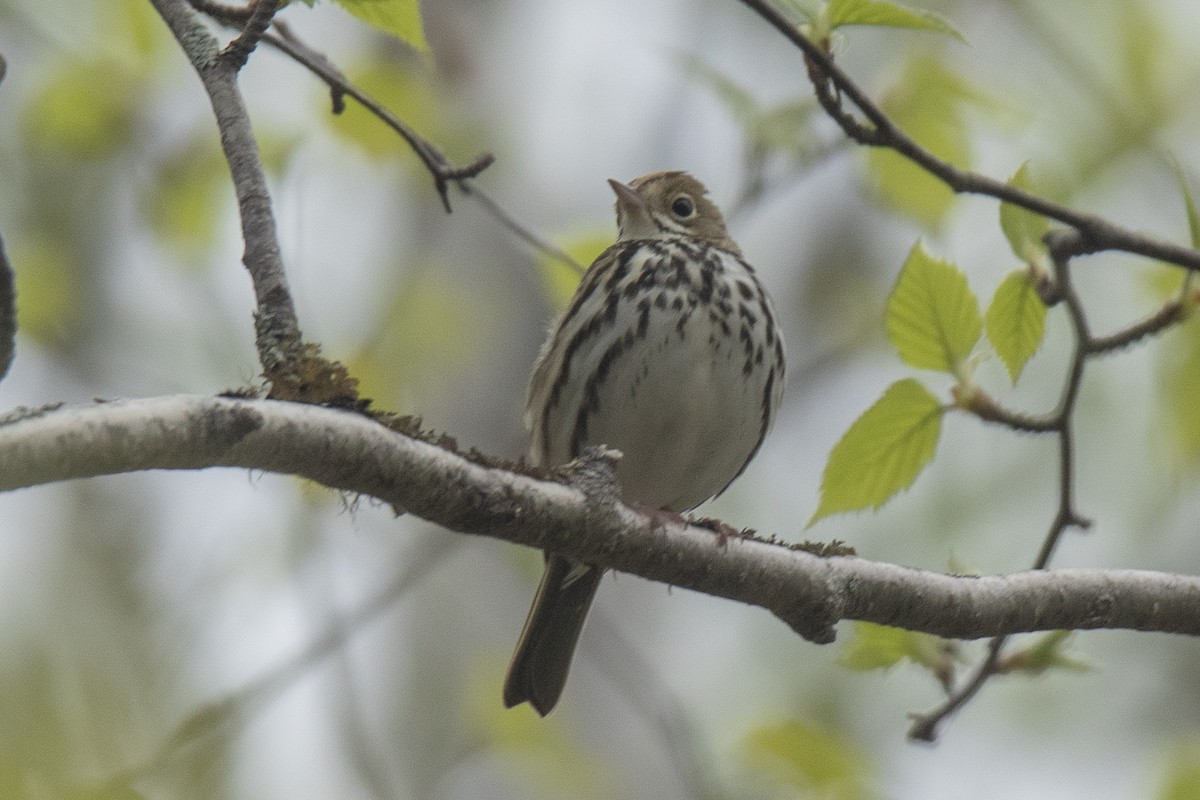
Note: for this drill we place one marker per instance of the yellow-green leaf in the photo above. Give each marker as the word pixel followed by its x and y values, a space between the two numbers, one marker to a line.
pixel 559 278
pixel 1023 228
pixel 1016 321
pixel 1182 387
pixel 191 187
pixel 737 99
pixel 783 128
pixel 1181 779
pixel 541 755
pixel 49 296
pixel 181 205
pixel 84 110
pixel 423 342
pixel 883 451
pixel 1189 203
pixel 932 315
pixel 406 91
pixel 882 646
pixel 809 761
pixel 891 15
pixel 1045 653
pixel 927 102
pixel 400 18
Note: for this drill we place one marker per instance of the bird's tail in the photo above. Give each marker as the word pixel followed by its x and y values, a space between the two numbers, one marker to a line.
pixel 540 664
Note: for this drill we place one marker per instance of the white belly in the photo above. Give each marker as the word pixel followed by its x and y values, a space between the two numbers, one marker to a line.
pixel 686 404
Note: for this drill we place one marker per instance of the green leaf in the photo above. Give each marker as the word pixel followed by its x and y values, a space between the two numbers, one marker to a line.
pixel 1016 321
pixel 559 279
pixel 1181 388
pixel 85 110
pixel 883 451
pixel 1189 204
pixel 783 128
pixel 552 762
pixel 407 91
pixel 932 315
pixel 787 129
pixel 810 761
pixel 191 186
pixel 1023 228
pixel 927 102
pixel 1193 218
pixel 881 646
pixel 1045 653
pixel 50 297
pixel 423 341
pixel 400 18
pixel 1181 780
pixel 738 100
pixel 891 15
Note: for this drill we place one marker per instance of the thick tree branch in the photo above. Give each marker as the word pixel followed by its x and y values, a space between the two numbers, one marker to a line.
pixel 1091 233
pixel 439 167
pixel 350 452
pixel 866 123
pixel 277 329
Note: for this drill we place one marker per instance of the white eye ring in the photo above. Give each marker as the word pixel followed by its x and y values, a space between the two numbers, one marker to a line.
pixel 683 207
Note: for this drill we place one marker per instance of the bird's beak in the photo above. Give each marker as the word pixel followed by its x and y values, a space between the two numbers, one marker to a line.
pixel 633 217
pixel 627 198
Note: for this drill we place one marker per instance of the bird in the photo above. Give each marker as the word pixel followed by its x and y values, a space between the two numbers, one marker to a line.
pixel 670 352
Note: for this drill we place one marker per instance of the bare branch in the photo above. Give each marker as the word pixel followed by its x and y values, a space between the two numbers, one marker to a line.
pixel 1170 313
pixel 517 229
pixel 261 14
pixel 444 173
pixel 435 161
pixel 1059 422
pixel 231 711
pixel 1092 233
pixel 278 331
pixel 350 452
pixel 8 313
pixel 229 14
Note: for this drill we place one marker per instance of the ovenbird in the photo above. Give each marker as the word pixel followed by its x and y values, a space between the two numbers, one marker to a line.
pixel 669 351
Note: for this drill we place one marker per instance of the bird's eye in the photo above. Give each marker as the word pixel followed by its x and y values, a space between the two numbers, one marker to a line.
pixel 683 207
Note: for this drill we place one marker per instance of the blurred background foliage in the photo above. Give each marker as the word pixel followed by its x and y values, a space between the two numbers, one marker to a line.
pixel 230 635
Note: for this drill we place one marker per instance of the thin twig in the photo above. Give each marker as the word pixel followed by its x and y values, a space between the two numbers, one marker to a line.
pixel 238 50
pixel 1060 422
pixel 431 156
pixel 227 713
pixel 1169 314
pixel 435 161
pixel 1086 234
pixel 985 408
pixel 832 84
pixel 8 312
pixel 277 330
pixel 226 13
pixel 517 229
